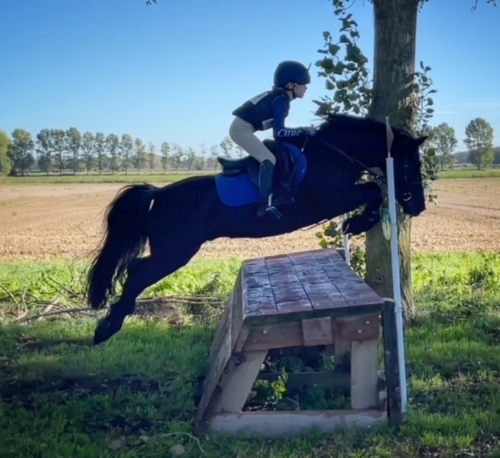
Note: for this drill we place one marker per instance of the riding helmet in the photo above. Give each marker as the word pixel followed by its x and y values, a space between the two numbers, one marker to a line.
pixel 290 71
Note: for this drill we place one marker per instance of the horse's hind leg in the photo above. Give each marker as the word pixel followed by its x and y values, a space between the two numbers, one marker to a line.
pixel 143 273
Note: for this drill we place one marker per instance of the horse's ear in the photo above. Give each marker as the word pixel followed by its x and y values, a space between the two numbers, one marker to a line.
pixel 420 140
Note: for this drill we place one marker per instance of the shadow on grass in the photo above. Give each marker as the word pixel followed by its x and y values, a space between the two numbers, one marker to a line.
pixel 158 350
pixel 147 380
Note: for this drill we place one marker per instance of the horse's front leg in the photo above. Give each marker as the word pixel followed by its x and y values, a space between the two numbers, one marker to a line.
pixel 370 216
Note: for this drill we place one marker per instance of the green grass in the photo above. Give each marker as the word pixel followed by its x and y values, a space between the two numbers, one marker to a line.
pixel 172 177
pixel 138 392
pixel 95 179
pixel 469 173
pixel 45 280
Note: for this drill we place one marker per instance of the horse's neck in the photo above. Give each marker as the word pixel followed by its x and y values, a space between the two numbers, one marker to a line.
pixel 334 175
pixel 360 147
pixel 349 159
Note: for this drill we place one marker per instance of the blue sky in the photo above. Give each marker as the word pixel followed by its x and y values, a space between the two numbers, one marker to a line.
pixel 175 71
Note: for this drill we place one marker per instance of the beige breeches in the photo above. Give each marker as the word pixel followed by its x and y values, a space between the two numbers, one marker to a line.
pixel 242 133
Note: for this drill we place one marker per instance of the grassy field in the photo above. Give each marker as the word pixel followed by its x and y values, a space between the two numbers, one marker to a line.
pixel 92 179
pixel 136 396
pixel 470 173
pixel 172 177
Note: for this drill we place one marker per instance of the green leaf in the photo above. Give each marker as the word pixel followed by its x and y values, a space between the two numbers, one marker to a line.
pixel 338 69
pixel 333 49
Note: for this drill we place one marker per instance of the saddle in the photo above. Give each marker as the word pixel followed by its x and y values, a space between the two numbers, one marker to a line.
pixel 287 162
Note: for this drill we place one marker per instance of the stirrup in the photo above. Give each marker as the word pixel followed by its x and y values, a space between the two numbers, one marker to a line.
pixel 271 208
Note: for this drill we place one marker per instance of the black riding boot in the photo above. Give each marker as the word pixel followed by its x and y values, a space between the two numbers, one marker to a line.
pixel 266 174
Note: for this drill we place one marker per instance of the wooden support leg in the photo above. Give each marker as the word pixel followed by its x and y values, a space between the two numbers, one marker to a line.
pixel 363 332
pixel 342 352
pixel 364 374
pixel 391 364
pixel 237 382
pixel 341 349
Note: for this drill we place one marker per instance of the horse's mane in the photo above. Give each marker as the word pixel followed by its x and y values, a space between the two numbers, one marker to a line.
pixel 360 137
pixel 347 121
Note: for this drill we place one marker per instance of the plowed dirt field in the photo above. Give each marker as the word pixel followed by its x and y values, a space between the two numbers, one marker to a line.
pixel 65 221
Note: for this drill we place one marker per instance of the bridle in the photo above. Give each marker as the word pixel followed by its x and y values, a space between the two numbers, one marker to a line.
pixel 375 175
pixel 378 177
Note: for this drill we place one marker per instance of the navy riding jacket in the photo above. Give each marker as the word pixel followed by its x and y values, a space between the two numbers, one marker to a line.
pixel 269 110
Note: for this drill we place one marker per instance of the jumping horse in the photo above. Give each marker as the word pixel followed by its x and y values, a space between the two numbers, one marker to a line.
pixel 178 218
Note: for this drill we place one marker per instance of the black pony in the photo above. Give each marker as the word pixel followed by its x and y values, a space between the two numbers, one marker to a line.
pixel 179 217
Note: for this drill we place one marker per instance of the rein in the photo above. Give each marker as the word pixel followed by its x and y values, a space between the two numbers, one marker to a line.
pixel 376 176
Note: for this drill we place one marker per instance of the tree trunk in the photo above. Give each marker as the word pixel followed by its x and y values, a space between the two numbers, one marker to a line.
pixel 395 42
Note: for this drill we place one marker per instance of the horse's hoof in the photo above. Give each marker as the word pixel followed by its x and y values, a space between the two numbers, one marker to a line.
pixel 106 329
pixel 358 224
pixel 349 226
pixel 353 226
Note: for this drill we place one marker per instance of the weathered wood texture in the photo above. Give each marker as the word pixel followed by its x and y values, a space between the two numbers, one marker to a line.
pixel 225 341
pixel 329 331
pixel 312 283
pixel 288 424
pixel 237 383
pixel 305 299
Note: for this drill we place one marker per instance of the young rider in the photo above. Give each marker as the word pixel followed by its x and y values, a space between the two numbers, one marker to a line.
pixel 269 110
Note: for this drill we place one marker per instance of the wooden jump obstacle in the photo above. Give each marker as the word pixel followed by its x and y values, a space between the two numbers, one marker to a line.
pixel 307 299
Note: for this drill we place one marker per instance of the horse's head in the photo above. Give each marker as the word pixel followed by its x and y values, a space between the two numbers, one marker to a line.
pixel 361 144
pixel 408 183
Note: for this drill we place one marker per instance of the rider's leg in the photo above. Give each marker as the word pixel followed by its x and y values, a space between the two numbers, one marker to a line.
pixel 243 134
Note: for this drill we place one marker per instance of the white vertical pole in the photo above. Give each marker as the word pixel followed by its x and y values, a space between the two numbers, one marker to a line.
pixel 396 281
pixel 346 243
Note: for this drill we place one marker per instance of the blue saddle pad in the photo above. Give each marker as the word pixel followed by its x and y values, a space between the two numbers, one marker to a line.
pixel 236 190
pixel 239 190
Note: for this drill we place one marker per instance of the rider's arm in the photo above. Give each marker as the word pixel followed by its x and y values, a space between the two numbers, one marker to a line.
pixel 279 113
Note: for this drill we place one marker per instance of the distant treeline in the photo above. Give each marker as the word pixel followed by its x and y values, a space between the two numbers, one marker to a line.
pixel 478 139
pixel 69 151
pixel 462 157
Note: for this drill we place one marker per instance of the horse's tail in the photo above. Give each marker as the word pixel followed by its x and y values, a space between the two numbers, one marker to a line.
pixel 124 240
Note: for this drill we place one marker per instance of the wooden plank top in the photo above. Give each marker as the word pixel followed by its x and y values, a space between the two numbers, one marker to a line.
pixel 309 283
